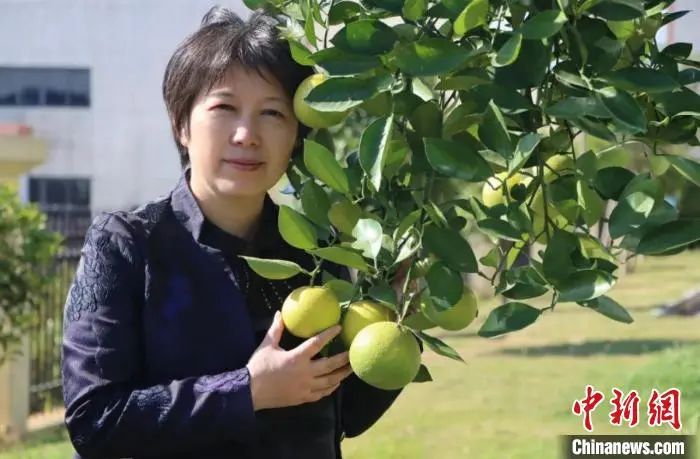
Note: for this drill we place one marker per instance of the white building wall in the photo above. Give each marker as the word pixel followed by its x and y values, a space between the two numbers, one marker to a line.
pixel 122 141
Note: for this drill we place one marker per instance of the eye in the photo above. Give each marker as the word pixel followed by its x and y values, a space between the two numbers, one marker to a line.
pixel 275 113
pixel 226 107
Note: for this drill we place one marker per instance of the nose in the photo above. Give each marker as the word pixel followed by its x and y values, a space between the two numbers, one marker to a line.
pixel 245 133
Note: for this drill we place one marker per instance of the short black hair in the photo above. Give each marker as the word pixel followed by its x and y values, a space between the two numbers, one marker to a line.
pixel 224 40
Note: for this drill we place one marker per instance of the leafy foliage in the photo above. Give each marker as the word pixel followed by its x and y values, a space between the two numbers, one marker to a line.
pixel 545 92
pixel 26 250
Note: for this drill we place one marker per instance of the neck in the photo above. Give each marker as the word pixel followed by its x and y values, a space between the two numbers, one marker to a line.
pixel 237 215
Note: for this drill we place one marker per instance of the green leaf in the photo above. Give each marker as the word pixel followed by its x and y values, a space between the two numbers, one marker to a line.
pixel 368 237
pixel 474 15
pixel 585 285
pixel 529 68
pixel 669 236
pixel 491 259
pixel 274 269
pixel 609 308
pixel 300 53
pixel 611 181
pixel 338 62
pixel 407 222
pixel 557 261
pixel 592 204
pixel 342 93
pixel 322 164
pixel 430 56
pixel 686 167
pixel 526 146
pixel 685 101
pixel 454 159
pixel 426 119
pixel 365 36
pixel 342 11
pixel 499 229
pixel 382 292
pixel 465 79
pixel 494 133
pixel 595 128
pixel 296 230
pixel 342 256
pixel 414 9
pixel 543 25
pixel 423 375
pixel 619 10
pixel 315 203
pixel 574 108
pixel 408 244
pixel 624 109
pixel 688 76
pixel 507 318
pixel 642 80
pixel 450 247
pixel 678 50
pixel 445 285
pixel 373 146
pixel 522 283
pixel 636 204
pixel 342 289
pixel 310 28
pixel 510 51
pixel 255 4
pixel 439 347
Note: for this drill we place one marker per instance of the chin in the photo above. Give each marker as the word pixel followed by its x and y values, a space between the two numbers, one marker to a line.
pixel 240 188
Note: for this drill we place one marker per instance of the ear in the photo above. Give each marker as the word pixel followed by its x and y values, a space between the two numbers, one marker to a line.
pixel 184 137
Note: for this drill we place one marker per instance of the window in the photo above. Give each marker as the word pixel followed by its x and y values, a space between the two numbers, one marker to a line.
pixel 53 87
pixel 60 192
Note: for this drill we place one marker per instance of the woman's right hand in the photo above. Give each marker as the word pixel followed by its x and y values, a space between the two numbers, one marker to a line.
pixel 280 378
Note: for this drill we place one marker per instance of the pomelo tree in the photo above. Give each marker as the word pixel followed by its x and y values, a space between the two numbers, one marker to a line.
pixel 520 102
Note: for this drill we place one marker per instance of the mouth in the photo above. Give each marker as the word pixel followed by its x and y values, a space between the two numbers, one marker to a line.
pixel 244 164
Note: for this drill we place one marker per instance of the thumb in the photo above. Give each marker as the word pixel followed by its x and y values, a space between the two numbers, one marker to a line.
pixel 274 333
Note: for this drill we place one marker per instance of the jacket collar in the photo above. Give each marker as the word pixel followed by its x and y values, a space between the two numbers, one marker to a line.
pixel 189 214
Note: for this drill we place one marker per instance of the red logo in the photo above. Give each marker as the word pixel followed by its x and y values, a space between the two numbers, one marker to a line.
pixel 665 408
pixel 626 409
pixel 587 405
pixel 662 408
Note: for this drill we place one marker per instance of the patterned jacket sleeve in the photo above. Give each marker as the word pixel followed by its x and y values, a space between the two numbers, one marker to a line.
pixel 109 413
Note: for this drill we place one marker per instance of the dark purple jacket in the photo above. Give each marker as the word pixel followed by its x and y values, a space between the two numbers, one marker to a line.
pixel 157 333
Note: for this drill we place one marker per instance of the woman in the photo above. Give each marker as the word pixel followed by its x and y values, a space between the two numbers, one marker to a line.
pixel 172 346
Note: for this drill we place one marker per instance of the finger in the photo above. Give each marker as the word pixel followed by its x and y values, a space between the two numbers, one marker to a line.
pixel 329 364
pixel 319 394
pixel 274 333
pixel 313 345
pixel 331 379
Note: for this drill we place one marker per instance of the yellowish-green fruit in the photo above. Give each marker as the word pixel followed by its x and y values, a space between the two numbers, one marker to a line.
pixel 361 314
pixel 618 157
pixel 560 164
pixel 459 316
pixel 306 114
pixel 307 311
pixel 658 164
pixel 418 321
pixel 344 215
pixel 385 355
pixel 492 193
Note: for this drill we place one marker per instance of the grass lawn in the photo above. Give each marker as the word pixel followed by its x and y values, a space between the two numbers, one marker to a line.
pixel 513 397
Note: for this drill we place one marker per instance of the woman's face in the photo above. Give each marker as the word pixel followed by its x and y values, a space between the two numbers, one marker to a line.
pixel 241 134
